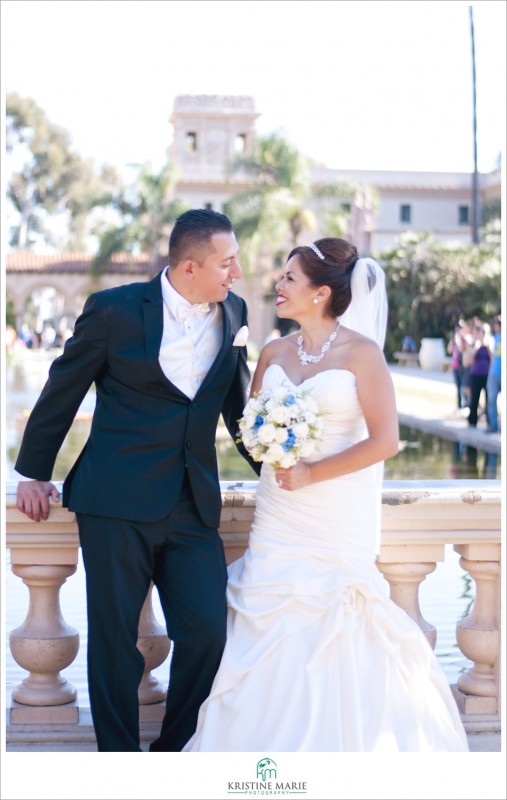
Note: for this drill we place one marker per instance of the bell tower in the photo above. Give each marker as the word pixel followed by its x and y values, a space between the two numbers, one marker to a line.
pixel 209 131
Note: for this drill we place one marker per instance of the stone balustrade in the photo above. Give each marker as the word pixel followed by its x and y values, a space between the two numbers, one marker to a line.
pixel 419 518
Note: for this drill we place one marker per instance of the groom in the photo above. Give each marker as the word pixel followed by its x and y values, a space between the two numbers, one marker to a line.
pixel 145 488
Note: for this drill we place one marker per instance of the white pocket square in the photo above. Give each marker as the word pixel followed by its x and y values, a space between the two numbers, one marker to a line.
pixel 241 337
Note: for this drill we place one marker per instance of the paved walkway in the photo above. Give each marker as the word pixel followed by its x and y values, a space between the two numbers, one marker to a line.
pixel 426 400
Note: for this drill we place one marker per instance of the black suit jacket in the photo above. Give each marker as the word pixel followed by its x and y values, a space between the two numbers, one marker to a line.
pixel 144 429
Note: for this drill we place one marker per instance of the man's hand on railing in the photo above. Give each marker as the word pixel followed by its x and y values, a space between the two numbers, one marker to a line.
pixel 32 498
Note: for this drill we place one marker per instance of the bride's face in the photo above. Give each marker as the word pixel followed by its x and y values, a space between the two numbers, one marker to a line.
pixel 295 293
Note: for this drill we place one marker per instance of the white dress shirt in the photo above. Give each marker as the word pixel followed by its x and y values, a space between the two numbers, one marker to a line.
pixel 188 349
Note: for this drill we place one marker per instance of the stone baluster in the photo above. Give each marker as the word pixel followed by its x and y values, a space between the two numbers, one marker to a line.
pixel 154 644
pixel 43 645
pixel 404 580
pixel 478 635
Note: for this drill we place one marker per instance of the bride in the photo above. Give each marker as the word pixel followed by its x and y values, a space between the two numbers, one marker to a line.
pixel 318 658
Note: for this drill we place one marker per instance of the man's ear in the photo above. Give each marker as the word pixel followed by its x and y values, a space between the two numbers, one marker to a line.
pixel 189 267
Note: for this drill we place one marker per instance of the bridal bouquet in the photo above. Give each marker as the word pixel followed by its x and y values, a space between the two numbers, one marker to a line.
pixel 281 426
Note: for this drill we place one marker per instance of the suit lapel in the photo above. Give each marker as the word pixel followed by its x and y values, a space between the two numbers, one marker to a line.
pixel 153 315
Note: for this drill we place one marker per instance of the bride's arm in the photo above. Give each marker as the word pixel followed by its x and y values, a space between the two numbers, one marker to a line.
pixel 376 396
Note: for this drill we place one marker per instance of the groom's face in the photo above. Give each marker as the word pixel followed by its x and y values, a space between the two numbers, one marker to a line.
pixel 216 270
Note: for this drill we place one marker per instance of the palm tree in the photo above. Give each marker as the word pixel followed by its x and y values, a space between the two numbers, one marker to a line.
pixel 271 216
pixel 146 210
pixel 281 203
pixel 271 210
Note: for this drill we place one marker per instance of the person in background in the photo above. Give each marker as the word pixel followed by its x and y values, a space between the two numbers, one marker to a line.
pixel 408 345
pixel 455 350
pixel 494 382
pixel 479 370
pixel 467 357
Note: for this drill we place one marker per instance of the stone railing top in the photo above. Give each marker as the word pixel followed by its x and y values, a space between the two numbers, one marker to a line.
pixel 394 493
pixel 452 512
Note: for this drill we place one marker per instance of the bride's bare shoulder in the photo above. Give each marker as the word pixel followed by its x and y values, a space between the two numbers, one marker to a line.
pixel 359 350
pixel 350 337
pixel 276 349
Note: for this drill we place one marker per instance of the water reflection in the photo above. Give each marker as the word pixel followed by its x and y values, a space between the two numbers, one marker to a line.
pixel 469 462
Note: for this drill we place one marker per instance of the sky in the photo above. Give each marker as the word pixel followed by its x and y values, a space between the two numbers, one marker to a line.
pixel 355 85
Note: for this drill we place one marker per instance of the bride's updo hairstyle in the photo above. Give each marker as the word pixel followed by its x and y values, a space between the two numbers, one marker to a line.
pixel 333 270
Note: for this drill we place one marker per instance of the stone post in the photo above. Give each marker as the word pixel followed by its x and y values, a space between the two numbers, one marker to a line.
pixel 478 635
pixel 404 581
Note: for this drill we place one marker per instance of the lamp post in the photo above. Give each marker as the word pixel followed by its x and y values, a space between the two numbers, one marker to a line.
pixel 475 176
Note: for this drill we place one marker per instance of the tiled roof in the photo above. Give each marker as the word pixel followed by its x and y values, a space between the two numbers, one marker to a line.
pixel 78 262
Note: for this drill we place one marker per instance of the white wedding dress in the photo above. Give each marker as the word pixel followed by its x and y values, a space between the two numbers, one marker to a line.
pixel 318 658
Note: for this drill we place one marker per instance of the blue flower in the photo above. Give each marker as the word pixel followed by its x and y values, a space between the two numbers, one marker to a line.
pixel 289 400
pixel 258 422
pixel 290 440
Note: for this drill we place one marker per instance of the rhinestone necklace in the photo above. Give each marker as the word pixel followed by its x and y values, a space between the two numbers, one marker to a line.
pixel 305 359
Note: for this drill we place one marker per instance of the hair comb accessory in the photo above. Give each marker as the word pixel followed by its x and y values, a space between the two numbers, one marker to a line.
pixel 316 251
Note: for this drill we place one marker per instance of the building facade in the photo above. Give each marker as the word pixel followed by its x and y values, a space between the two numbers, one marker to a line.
pixel 210 130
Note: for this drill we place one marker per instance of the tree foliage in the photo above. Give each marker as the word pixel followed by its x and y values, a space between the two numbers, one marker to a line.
pixel 432 285
pixel 146 210
pixel 47 178
pixel 279 205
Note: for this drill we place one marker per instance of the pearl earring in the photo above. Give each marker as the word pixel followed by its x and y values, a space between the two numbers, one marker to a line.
pixel 315 300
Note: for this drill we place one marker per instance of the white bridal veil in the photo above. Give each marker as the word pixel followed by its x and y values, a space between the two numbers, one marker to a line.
pixel 367 314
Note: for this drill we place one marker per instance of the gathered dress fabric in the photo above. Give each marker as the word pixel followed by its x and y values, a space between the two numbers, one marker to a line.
pixel 318 658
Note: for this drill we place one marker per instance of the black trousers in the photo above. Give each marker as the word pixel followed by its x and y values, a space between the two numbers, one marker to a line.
pixel 477 385
pixel 186 562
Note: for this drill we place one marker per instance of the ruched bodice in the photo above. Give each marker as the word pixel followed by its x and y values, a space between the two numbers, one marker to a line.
pixel 317 514
pixel 318 658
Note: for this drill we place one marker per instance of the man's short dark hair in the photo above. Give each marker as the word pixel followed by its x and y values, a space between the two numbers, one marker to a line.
pixel 193 230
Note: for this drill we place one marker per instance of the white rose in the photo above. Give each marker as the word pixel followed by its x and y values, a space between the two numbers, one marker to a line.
pixel 281 435
pixel 248 439
pixel 280 393
pixel 301 429
pixel 266 433
pixel 273 454
pixel 257 452
pixel 254 405
pixel 306 448
pixel 287 460
pixel 278 415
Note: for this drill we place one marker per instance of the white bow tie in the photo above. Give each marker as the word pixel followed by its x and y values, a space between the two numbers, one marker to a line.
pixel 184 311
